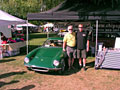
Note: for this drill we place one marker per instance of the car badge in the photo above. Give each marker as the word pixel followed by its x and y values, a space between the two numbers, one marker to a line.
pixel 41 59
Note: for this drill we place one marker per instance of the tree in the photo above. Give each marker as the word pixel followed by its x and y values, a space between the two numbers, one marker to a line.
pixel 20 8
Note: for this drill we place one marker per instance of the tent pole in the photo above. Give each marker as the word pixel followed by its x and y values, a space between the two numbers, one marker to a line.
pixel 1 55
pixel 27 36
pixel 96 36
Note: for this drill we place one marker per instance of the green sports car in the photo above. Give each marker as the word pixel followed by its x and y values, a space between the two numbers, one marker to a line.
pixel 48 57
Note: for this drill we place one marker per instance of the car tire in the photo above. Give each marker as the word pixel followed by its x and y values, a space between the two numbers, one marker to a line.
pixel 29 69
pixel 62 67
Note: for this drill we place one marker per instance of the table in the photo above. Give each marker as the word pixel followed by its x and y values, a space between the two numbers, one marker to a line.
pixel 17 45
pixel 109 59
pixel 11 48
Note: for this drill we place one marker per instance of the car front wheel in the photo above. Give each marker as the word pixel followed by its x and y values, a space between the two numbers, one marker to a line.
pixel 62 67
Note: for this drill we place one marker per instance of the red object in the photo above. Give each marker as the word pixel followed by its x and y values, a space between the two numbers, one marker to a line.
pixel 80 25
pixel 4 42
pixel 21 39
pixel 9 26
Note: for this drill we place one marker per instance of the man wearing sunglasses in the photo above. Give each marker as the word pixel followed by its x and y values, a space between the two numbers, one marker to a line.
pixel 82 42
pixel 69 42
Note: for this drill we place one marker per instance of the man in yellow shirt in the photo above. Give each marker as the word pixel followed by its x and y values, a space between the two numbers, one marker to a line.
pixel 69 42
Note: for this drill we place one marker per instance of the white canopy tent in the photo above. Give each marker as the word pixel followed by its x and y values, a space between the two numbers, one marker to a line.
pixel 25 25
pixel 6 31
pixel 49 25
pixel 6 20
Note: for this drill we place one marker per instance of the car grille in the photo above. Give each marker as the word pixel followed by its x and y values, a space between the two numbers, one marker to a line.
pixel 40 69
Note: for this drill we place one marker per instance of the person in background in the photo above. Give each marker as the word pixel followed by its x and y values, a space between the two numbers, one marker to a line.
pixel 52 43
pixel 82 41
pixel 4 46
pixel 69 43
pixel 4 39
pixel 44 30
pixel 47 29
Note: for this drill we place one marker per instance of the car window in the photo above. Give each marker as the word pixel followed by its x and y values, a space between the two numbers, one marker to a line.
pixel 46 43
pixel 53 43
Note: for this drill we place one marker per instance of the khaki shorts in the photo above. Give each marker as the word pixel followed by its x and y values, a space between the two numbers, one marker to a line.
pixel 81 53
pixel 71 52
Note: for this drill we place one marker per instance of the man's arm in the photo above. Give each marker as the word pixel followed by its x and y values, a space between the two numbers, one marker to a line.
pixel 87 45
pixel 88 42
pixel 64 45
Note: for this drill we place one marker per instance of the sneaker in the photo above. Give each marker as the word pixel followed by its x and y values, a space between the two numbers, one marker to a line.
pixel 69 69
pixel 84 68
pixel 80 66
pixel 73 67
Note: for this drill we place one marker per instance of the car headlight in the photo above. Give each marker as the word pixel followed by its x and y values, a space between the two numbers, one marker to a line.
pixel 26 60
pixel 55 63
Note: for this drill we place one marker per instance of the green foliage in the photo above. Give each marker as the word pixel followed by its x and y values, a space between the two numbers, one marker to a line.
pixel 20 8
pixel 104 3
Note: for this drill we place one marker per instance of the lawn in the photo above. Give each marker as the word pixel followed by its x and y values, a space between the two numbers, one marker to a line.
pixel 14 76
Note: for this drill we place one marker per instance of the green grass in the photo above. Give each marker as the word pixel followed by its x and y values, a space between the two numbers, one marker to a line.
pixel 37 39
pixel 14 75
pixel 25 76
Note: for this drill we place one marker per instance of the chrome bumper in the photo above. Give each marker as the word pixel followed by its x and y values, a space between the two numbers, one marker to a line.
pixel 42 69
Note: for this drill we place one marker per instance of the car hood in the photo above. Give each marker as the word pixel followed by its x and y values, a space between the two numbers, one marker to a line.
pixel 45 57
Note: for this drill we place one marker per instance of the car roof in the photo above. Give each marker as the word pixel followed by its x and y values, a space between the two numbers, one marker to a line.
pixel 55 38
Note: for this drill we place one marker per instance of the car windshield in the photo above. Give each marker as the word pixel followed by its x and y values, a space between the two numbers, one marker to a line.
pixel 53 43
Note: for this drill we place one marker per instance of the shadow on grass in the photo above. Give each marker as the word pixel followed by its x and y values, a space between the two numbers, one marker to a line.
pixel 11 74
pixel 29 87
pixel 111 69
pixel 3 61
pixel 11 82
pixel 41 35
pixel 66 72
pixel 38 35
pixel 90 64
pixel 32 47
pixel 23 50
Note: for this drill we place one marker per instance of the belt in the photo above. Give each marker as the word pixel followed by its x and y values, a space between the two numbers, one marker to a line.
pixel 70 47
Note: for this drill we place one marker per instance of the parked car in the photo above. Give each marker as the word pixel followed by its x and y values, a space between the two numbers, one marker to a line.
pixel 48 57
pixel 62 33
